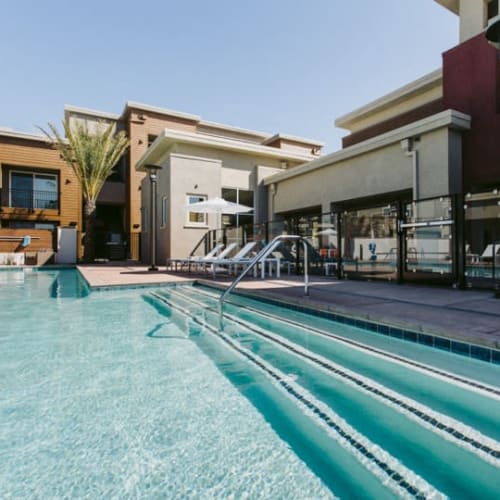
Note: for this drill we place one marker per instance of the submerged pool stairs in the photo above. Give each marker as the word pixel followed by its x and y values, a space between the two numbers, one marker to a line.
pixel 373 420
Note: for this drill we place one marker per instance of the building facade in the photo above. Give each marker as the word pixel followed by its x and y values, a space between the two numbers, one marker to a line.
pixel 120 205
pixel 212 161
pixel 38 192
pixel 414 192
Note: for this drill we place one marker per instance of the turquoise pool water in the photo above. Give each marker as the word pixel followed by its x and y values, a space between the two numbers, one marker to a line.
pixel 102 396
pixel 137 394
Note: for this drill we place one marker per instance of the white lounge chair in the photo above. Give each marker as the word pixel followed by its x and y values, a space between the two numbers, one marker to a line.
pixel 173 263
pixel 241 258
pixel 491 251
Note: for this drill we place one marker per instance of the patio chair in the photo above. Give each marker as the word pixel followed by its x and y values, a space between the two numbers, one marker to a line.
pixel 173 263
pixel 241 258
pixel 491 253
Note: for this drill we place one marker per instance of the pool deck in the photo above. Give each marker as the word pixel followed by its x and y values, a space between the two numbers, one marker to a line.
pixel 468 315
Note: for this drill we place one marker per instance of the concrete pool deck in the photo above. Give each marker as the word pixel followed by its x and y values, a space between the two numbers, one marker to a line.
pixel 468 315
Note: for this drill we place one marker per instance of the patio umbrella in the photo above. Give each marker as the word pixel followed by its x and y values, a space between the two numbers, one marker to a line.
pixel 217 206
pixel 327 232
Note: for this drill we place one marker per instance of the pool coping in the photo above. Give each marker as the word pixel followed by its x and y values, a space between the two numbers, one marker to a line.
pixel 435 341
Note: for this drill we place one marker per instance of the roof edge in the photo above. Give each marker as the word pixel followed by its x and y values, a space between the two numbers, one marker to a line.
pixel 450 117
pixel 16 134
pixel 93 112
pixel 294 138
pixel 392 97
pixel 175 136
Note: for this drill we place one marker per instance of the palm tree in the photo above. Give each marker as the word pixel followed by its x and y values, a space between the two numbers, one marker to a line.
pixel 91 154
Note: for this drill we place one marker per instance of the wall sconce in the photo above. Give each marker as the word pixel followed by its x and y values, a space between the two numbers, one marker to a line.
pixel 67 181
pixel 136 226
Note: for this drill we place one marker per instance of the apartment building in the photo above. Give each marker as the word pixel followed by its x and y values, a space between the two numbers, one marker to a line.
pixel 38 193
pixel 155 135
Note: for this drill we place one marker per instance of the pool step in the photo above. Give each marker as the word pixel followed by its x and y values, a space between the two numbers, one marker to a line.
pixel 450 429
pixel 389 470
pixel 487 390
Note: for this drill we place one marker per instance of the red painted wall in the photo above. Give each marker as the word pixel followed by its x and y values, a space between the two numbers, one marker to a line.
pixel 471 76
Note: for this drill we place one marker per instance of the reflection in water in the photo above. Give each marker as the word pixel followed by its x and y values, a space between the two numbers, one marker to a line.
pixel 68 284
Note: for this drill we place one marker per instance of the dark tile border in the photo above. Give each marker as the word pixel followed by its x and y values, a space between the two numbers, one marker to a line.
pixel 474 351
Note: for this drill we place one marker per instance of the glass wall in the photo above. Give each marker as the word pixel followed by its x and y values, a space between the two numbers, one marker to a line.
pixel 411 241
pixel 482 237
pixel 428 236
pixel 369 242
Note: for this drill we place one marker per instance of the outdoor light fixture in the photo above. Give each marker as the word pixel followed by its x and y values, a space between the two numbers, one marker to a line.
pixel 493 32
pixel 153 172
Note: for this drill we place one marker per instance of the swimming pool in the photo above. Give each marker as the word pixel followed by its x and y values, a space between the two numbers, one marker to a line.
pixel 135 393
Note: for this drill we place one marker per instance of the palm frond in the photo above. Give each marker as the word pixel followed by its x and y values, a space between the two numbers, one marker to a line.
pixel 91 153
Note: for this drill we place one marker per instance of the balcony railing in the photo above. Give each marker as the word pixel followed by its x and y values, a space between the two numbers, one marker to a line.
pixel 28 198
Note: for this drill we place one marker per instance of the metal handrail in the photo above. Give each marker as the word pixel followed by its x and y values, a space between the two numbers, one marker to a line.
pixel 261 256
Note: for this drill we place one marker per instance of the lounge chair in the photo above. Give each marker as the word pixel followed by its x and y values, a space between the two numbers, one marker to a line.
pixel 241 258
pixel 222 255
pixel 194 259
pixel 491 251
pixel 272 261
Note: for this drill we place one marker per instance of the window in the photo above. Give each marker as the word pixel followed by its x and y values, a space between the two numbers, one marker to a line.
pixel 22 224
pixel 164 211
pixel 151 138
pixel 243 197
pixel 30 190
pixel 196 218
pixel 492 8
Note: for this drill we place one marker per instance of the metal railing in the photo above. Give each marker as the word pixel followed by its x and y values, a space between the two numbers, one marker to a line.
pixel 265 252
pixel 33 199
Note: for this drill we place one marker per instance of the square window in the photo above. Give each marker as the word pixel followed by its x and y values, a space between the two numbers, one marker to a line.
pixel 196 218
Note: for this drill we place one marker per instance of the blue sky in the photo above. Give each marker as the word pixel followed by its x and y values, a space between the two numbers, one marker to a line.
pixel 289 66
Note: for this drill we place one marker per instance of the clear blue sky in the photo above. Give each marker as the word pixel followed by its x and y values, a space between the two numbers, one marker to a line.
pixel 289 66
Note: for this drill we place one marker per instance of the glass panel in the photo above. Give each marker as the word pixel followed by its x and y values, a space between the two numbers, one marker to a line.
pixel 45 191
pixel 429 243
pixel 436 209
pixel 21 190
pixel 325 236
pixel 243 197
pixel 230 194
pixel 482 236
pixel 369 243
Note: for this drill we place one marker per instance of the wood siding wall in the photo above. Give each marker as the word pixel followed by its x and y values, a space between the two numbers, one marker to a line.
pixel 11 240
pixel 38 156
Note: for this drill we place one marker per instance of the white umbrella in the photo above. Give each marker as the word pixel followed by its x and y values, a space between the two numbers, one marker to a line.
pixel 327 232
pixel 217 206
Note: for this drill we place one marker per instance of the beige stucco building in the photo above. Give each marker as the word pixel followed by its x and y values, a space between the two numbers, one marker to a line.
pixel 213 161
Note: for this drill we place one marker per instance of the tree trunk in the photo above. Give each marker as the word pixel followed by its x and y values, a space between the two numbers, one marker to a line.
pixel 88 241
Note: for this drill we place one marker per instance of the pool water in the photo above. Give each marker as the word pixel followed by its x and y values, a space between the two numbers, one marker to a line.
pixel 103 396
pixel 136 393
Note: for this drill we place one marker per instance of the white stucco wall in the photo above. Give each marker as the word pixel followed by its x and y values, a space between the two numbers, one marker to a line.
pixel 200 171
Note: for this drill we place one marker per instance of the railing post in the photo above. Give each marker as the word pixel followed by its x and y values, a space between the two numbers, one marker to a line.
pixel 261 256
